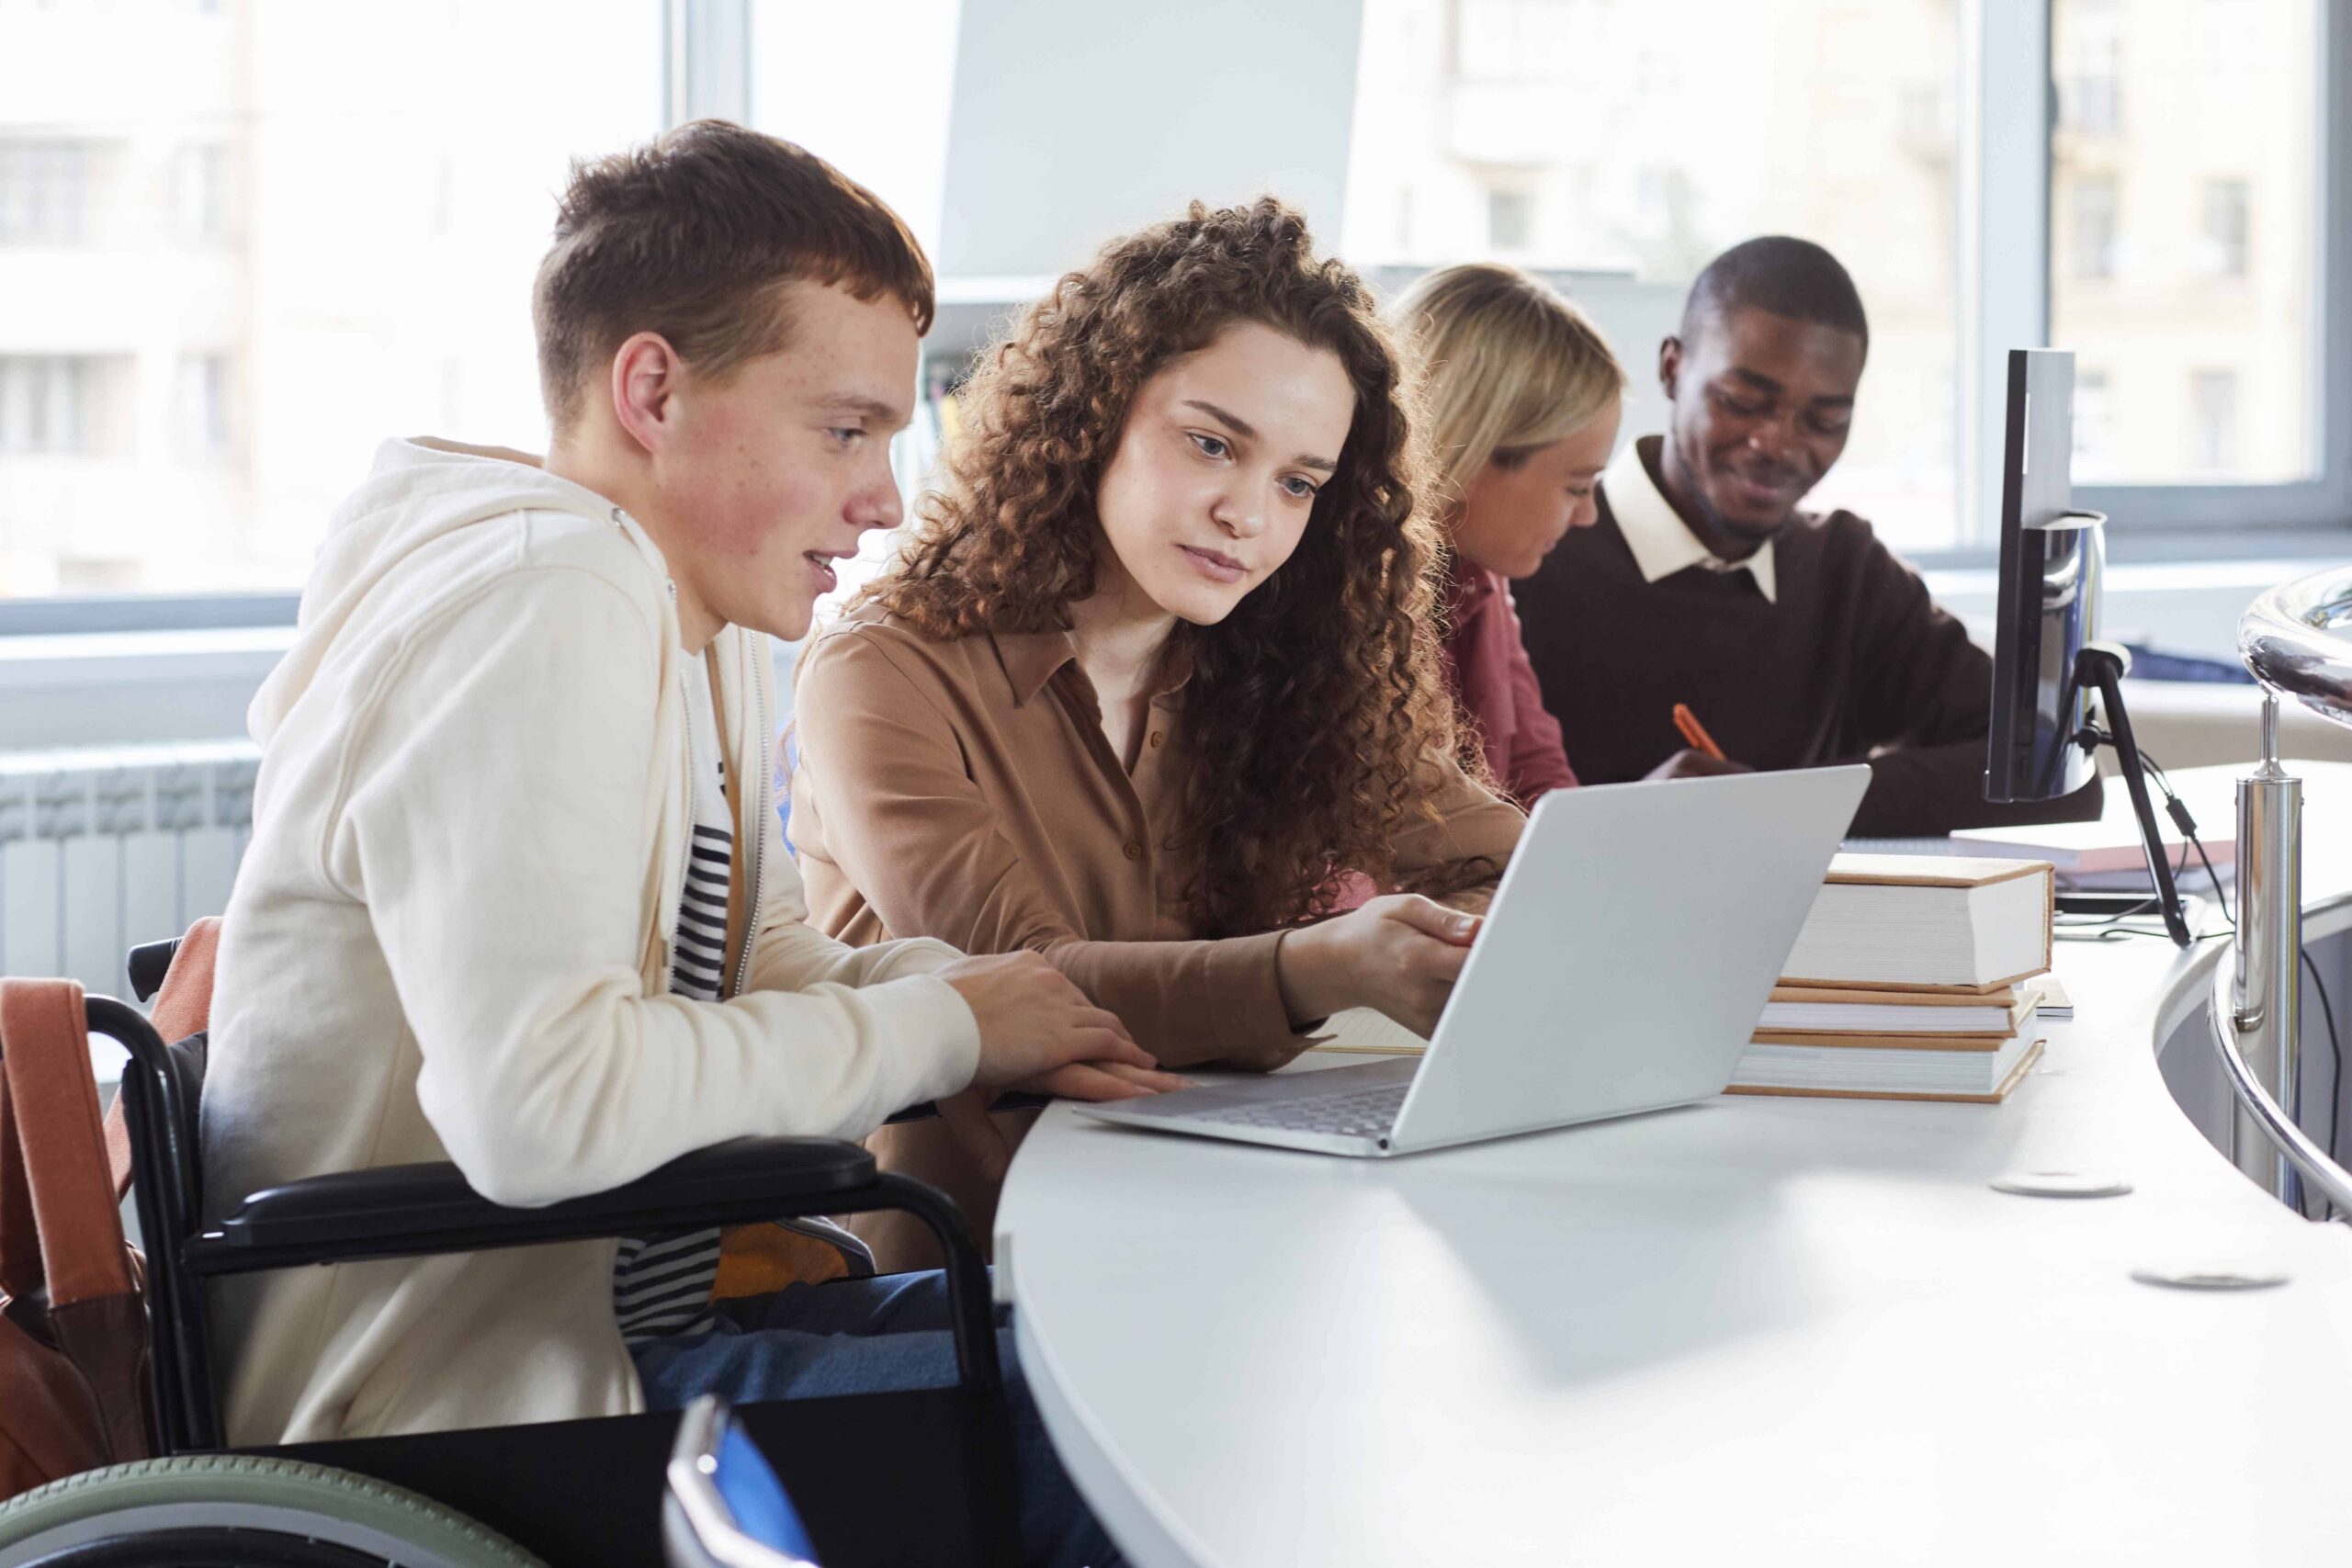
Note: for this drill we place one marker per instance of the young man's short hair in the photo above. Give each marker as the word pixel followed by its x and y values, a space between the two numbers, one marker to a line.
pixel 690 236
pixel 1783 275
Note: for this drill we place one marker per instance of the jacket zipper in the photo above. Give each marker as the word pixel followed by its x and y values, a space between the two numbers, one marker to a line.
pixel 686 855
pixel 743 790
pixel 759 797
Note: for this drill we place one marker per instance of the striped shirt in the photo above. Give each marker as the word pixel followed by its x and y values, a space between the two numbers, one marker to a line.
pixel 662 1282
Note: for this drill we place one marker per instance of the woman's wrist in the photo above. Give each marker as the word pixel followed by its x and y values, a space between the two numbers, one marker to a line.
pixel 1307 970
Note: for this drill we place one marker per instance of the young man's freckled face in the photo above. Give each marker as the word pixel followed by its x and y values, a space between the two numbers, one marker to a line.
pixel 1219 465
pixel 775 469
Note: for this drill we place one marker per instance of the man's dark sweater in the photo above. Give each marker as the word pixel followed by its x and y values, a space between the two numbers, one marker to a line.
pixel 1853 661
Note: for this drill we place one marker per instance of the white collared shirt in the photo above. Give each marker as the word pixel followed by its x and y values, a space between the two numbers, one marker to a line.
pixel 1662 543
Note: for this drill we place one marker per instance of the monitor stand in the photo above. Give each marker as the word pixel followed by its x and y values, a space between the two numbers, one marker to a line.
pixel 2101 668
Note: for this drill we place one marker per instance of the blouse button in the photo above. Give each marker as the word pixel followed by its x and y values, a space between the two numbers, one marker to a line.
pixel 1157 736
pixel 1132 850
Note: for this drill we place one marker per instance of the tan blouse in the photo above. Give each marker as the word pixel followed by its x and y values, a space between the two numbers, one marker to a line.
pixel 965 790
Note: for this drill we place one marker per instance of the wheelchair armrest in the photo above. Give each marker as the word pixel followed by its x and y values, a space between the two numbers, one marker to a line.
pixel 411 1209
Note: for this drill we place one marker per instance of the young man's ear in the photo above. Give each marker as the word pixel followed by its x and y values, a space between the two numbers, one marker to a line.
pixel 1670 365
pixel 644 386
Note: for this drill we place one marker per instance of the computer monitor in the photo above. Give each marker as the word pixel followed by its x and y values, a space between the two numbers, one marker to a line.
pixel 2048 663
pixel 2054 562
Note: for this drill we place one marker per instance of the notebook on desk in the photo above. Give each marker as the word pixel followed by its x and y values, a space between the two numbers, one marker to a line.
pixel 2087 855
pixel 1632 943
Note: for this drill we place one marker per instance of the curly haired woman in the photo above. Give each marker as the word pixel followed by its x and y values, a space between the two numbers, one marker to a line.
pixel 1156 687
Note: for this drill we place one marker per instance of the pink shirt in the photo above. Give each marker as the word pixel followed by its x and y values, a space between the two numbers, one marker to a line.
pixel 1486 665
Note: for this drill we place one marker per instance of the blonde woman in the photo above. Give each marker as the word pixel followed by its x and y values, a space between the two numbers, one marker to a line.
pixel 1523 398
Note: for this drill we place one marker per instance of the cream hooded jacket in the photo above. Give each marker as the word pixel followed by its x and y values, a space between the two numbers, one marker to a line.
pixel 449 940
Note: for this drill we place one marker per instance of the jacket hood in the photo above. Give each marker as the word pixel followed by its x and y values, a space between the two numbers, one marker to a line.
pixel 419 492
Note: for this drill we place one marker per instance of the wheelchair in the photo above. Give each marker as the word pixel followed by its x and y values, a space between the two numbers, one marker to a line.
pixel 917 1477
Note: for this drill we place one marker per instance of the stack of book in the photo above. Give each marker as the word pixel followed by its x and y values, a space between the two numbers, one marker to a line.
pixel 1914 978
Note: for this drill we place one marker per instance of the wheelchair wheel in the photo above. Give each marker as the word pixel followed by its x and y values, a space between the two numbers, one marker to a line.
pixel 240 1511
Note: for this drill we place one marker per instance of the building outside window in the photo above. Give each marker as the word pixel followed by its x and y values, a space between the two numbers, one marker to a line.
pixel 2209 384
pixel 270 270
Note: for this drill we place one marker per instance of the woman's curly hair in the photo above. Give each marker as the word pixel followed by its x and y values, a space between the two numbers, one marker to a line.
pixel 1315 707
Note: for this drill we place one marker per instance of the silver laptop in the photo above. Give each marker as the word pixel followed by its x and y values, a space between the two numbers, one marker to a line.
pixel 1628 953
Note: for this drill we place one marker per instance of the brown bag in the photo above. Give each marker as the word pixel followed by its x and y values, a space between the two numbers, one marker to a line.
pixel 72 1322
pixel 183 1007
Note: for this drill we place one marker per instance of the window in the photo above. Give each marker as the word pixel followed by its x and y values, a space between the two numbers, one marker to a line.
pixel 2092 239
pixel 46 189
pixel 2094 423
pixel 1643 136
pixel 2213 405
pixel 2227 33
pixel 2218 384
pixel 2225 227
pixel 205 405
pixel 200 192
pixel 45 404
pixel 1508 39
pixel 2090 72
pixel 267 275
pixel 1510 219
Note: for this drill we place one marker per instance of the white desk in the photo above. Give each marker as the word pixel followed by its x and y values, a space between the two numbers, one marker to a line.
pixel 1751 1331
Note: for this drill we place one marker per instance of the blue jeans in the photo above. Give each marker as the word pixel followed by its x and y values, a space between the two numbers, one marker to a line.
pixel 872 1336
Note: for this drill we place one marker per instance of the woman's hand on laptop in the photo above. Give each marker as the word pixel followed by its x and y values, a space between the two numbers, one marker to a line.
pixel 1399 954
pixel 1038 1031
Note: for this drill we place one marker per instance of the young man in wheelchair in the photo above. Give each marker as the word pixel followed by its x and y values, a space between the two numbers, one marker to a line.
pixel 516 896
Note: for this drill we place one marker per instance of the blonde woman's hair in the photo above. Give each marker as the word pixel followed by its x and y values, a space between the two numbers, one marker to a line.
pixel 1507 368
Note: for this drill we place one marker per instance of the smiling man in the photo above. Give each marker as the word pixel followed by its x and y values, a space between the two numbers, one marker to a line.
pixel 1798 639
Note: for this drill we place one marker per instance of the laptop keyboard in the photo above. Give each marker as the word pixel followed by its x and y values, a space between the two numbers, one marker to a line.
pixel 1367 1113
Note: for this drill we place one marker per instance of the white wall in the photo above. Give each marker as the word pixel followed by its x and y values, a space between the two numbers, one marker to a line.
pixel 805 88
pixel 1074 121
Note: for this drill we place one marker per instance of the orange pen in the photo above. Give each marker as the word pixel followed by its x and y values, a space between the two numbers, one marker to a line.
pixel 1695 732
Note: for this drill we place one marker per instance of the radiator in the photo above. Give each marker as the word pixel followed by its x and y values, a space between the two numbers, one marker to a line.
pixel 104 849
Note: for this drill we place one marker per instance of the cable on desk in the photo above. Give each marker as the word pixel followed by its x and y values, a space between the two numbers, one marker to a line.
pixel 2334 1051
pixel 2111 928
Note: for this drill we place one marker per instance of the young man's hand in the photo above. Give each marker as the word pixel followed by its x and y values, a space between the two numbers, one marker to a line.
pixel 1399 954
pixel 1105 1080
pixel 1038 1031
pixel 1689 763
